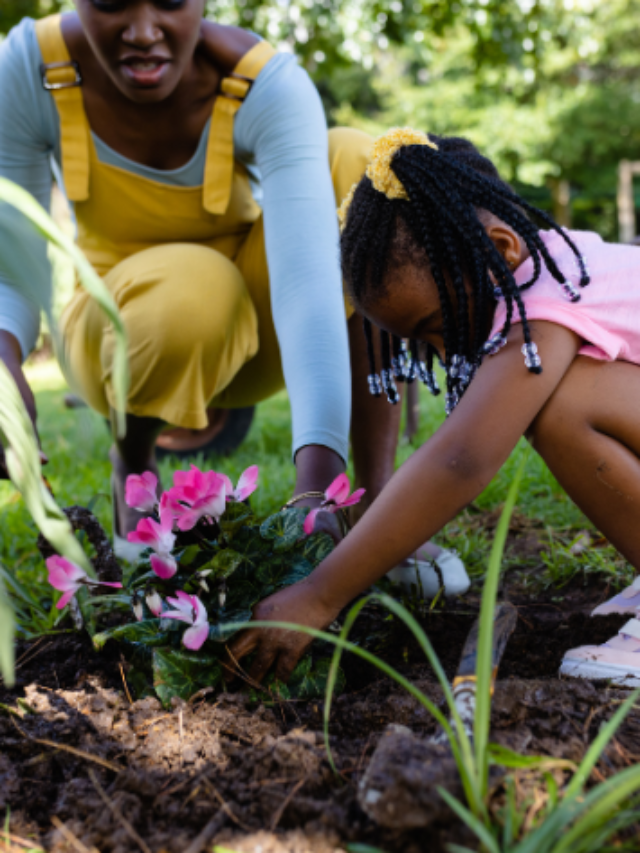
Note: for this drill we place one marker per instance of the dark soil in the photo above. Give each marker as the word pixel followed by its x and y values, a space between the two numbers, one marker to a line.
pixel 125 776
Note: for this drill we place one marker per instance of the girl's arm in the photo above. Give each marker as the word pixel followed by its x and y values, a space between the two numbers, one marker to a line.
pixel 436 482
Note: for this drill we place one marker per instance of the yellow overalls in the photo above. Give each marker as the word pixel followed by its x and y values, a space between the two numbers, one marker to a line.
pixel 186 265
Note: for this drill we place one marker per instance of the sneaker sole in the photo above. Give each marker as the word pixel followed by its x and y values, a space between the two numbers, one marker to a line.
pixel 618 675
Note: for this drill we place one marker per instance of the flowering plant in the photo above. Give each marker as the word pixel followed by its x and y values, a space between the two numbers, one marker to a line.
pixel 205 561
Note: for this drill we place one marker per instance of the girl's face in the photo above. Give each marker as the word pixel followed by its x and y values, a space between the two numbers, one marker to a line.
pixel 144 46
pixel 410 307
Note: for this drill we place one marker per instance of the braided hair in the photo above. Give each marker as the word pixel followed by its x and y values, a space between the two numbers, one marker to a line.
pixel 432 216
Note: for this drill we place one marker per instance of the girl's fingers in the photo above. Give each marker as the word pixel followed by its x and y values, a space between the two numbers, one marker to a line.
pixel 287 662
pixel 263 661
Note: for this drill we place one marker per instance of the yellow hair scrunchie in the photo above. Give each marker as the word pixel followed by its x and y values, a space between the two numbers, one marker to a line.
pixel 384 149
pixel 379 170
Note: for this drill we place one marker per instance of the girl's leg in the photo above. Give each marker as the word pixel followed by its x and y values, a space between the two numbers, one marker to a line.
pixel 589 435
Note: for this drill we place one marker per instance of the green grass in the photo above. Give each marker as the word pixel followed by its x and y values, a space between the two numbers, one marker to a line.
pixel 77 443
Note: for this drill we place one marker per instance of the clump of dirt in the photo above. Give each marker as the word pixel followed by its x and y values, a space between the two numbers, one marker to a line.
pixel 79 759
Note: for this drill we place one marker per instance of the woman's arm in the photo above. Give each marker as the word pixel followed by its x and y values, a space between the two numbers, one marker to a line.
pixel 282 127
pixel 29 134
pixel 435 483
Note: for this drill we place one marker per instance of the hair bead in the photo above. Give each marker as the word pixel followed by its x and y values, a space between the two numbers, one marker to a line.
pixel 531 358
pixel 494 344
pixel 375 385
pixel 399 359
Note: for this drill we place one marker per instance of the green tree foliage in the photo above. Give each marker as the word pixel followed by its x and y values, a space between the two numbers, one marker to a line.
pixel 13 11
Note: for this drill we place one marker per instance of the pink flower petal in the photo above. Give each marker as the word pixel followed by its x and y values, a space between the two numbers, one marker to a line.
pixel 228 486
pixel 66 598
pixel 183 602
pixel 146 533
pixel 310 520
pixel 107 583
pixel 63 574
pixel 176 614
pixel 140 491
pixel 188 519
pixel 201 611
pixel 163 565
pixel 247 484
pixel 354 499
pixel 339 489
pixel 194 638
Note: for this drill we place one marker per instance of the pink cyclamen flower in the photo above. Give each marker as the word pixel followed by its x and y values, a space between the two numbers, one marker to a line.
pixel 335 497
pixel 189 608
pixel 247 484
pixel 197 494
pixel 68 578
pixel 160 537
pixel 140 491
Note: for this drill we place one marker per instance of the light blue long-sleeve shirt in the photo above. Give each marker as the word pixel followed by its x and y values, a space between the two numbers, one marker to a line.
pixel 280 135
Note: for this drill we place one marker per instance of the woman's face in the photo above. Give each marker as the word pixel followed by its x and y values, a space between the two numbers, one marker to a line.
pixel 145 46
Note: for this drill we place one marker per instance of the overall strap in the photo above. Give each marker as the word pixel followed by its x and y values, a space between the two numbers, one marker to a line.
pixel 62 78
pixel 218 173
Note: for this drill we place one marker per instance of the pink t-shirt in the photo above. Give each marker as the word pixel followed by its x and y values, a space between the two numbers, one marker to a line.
pixel 607 316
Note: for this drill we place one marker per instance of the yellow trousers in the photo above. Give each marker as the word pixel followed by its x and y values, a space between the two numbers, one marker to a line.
pixel 199 325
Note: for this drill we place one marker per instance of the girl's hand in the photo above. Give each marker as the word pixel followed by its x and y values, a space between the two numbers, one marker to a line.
pixel 275 647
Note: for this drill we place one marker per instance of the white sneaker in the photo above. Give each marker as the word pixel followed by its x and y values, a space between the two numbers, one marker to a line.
pixel 627 601
pixel 446 572
pixel 617 660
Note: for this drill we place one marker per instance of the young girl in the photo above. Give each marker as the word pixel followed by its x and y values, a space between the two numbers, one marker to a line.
pixel 537 329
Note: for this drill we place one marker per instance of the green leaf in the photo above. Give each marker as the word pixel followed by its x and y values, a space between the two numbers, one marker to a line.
pixel 27 205
pixel 251 545
pixel 221 632
pixel 182 673
pixel 484 660
pixel 23 463
pixel 7 631
pixel 284 528
pixel 147 631
pixel 505 757
pixel 293 571
pixel 309 679
pixel 244 593
pixel 223 564
pixel 237 515
pixel 317 547
pixel 186 557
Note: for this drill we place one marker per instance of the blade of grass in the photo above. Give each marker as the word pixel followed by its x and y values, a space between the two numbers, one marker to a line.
pixel 599 804
pixel 474 823
pixel 461 749
pixel 599 744
pixel 484 663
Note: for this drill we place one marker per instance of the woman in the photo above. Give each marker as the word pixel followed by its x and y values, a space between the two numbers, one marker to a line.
pixel 166 129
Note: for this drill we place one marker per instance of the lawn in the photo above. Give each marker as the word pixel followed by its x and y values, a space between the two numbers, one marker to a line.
pixel 77 443
pixel 88 763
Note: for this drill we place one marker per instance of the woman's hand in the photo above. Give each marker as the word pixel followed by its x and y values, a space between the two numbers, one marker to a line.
pixel 275 647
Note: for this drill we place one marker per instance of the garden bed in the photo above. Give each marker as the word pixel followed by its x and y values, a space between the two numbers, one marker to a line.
pixel 253 775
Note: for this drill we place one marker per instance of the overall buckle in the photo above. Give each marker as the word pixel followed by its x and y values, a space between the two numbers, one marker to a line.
pixel 52 66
